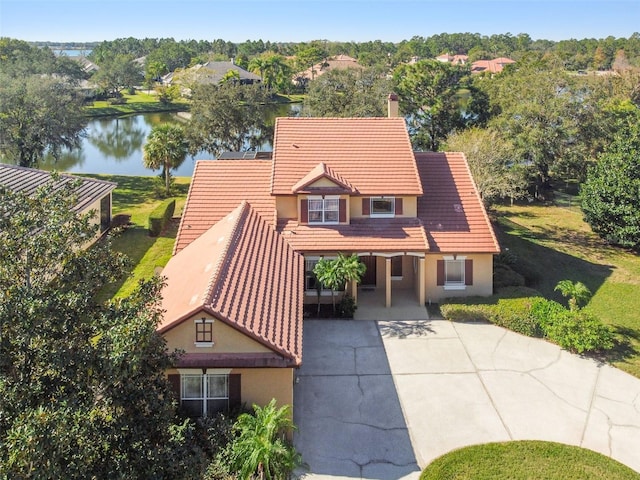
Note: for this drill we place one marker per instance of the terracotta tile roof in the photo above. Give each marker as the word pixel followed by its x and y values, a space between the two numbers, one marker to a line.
pixel 362 235
pixel 321 171
pixel 217 187
pixel 246 275
pixel 373 154
pixel 28 180
pixel 451 209
pixel 493 66
pixel 334 63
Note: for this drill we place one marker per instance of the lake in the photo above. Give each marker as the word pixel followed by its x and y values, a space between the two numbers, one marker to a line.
pixel 113 145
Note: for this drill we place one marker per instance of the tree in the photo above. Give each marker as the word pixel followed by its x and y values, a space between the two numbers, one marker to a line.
pixel 38 114
pixel 117 73
pixel 83 392
pixel 611 193
pixel 428 92
pixel 226 117
pixel 577 292
pixel 348 93
pixel 490 159
pixel 261 450
pixel 166 148
pixel 335 273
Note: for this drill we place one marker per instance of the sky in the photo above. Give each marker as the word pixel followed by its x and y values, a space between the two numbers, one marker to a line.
pixel 306 20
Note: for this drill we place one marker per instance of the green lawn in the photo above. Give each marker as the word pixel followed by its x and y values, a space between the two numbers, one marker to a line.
pixel 141 102
pixel 136 196
pixel 526 460
pixel 553 243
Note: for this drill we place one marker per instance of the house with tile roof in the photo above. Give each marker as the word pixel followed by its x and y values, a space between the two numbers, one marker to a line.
pixel 92 195
pixel 491 66
pixel 252 231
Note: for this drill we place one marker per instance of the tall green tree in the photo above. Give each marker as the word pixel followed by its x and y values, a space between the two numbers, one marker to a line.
pixel 348 93
pixel 429 97
pixel 117 73
pixel 166 148
pixel 611 193
pixel 261 450
pixel 38 114
pixel 226 117
pixel 82 387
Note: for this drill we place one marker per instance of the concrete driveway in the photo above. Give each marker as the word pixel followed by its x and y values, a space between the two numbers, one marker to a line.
pixel 381 400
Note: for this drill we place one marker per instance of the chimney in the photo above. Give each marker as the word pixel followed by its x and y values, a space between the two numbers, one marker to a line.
pixel 392 105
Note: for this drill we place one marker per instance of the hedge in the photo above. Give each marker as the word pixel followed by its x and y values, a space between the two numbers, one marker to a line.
pixel 160 216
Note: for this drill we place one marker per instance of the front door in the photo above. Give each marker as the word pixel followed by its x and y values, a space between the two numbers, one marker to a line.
pixel 369 278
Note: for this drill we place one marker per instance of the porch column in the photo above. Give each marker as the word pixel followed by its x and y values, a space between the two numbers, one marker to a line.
pixel 422 281
pixel 387 276
pixel 354 291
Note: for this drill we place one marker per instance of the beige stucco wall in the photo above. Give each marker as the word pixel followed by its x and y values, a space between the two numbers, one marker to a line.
pixel 95 219
pixel 226 339
pixel 482 278
pixel 260 385
pixel 287 206
pixel 409 207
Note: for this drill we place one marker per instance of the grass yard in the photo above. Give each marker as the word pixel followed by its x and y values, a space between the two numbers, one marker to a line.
pixel 553 243
pixel 140 102
pixel 526 460
pixel 136 196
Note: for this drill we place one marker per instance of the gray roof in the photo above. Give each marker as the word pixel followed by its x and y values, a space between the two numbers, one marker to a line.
pixel 214 72
pixel 28 180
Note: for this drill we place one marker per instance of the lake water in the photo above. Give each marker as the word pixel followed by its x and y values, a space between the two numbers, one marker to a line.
pixel 113 145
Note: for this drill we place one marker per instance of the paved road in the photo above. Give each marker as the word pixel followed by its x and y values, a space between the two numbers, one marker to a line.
pixel 381 400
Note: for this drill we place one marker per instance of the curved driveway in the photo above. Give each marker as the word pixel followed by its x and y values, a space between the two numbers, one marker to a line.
pixel 383 399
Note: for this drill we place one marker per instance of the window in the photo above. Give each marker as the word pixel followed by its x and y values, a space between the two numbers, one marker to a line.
pixel 455 272
pixel 204 332
pixel 324 210
pixel 383 206
pixel 204 394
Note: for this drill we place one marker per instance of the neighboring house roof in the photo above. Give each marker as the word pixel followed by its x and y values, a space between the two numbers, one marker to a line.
pixel 217 187
pixel 211 72
pixel 451 209
pixel 455 59
pixel 492 66
pixel 28 180
pixel 334 63
pixel 244 274
pixel 361 235
pixel 373 155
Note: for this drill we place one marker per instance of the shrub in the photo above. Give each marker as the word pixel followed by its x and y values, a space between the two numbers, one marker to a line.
pixel 160 216
pixel 464 313
pixel 505 276
pixel 347 306
pixel 515 314
pixel 579 331
pixel 545 311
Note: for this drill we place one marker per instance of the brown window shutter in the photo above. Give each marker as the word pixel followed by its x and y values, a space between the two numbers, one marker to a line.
pixel 440 272
pixel 342 204
pixel 468 272
pixel 398 206
pixel 235 397
pixel 174 384
pixel 304 211
pixel 366 206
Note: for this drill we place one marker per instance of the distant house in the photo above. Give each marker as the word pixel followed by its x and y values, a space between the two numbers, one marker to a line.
pixel 453 59
pixel 93 195
pixel 209 73
pixel 491 66
pixel 333 63
pixel 253 229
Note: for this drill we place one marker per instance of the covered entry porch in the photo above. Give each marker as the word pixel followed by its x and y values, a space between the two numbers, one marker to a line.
pixel 389 273
pixel 371 306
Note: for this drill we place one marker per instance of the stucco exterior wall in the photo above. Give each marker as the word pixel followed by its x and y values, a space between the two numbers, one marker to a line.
pixel 226 339
pixel 260 385
pixel 287 206
pixel 482 278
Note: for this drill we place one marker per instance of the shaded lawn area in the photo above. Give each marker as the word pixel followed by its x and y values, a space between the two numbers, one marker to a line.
pixel 526 460
pixel 553 243
pixel 140 102
pixel 136 196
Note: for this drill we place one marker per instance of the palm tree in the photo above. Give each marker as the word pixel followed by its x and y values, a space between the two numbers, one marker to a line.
pixel 261 450
pixel 328 273
pixel 166 148
pixel 351 268
pixel 577 292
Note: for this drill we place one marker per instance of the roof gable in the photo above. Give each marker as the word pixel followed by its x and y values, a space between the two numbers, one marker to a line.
pixel 28 180
pixel 245 274
pixel 318 173
pixel 373 155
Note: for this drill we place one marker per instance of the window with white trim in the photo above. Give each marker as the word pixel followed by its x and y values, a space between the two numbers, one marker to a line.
pixel 204 394
pixel 324 210
pixel 204 332
pixel 383 207
pixel 454 273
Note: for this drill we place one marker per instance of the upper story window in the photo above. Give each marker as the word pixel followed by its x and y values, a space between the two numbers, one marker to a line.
pixel 324 210
pixel 204 332
pixel 383 206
